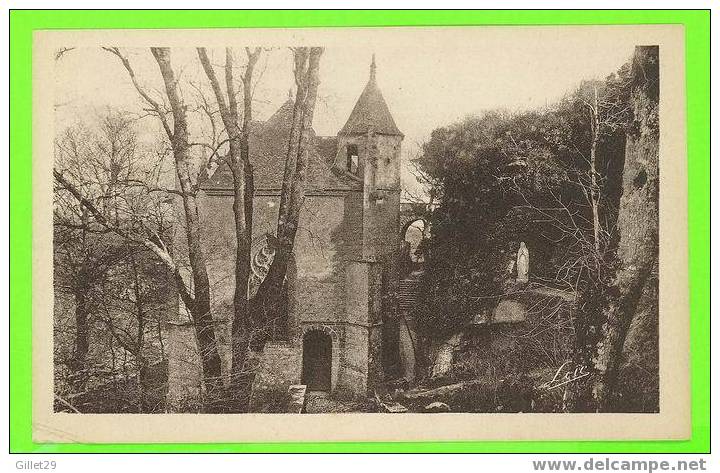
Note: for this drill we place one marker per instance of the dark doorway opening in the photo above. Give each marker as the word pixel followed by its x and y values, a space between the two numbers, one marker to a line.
pixel 317 361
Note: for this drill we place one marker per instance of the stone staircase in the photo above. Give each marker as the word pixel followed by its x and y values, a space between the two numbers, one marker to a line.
pixel 408 289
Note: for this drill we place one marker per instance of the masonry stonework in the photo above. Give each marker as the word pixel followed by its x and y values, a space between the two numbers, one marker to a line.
pixel 344 250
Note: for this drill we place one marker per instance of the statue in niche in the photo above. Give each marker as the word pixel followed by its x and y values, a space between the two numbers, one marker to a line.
pixel 523 263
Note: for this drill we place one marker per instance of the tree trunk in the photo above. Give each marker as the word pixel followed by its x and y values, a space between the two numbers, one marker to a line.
pixel 140 361
pixel 82 339
pixel 594 188
pixel 244 190
pixel 238 160
pixel 81 293
pixel 637 225
pixel 199 304
pixel 267 304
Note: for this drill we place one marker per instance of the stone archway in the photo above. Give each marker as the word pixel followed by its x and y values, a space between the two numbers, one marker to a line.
pixel 410 212
pixel 317 359
pixel 414 228
pixel 414 233
pixel 412 216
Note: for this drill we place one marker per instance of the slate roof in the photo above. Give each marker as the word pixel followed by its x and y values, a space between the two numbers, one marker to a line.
pixel 371 112
pixel 269 141
pixel 268 151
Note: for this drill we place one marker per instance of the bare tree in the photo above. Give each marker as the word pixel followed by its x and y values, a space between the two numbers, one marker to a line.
pixel 238 159
pixel 196 298
pixel 134 304
pixel 267 303
pixel 606 115
pixel 609 279
pixel 430 186
pixel 101 160
pixel 102 165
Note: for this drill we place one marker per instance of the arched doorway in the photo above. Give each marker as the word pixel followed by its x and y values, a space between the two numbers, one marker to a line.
pixel 317 361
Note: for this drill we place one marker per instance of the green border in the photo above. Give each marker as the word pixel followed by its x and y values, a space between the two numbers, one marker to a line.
pixel 24 22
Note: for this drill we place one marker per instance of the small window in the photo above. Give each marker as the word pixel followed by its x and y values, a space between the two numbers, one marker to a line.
pixel 353 159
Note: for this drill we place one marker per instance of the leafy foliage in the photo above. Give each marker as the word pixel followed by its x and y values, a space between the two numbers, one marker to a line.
pixel 506 177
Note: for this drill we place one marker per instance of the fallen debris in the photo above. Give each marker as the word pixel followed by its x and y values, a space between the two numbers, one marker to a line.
pixel 437 406
pixel 390 406
pixel 297 398
pixel 441 391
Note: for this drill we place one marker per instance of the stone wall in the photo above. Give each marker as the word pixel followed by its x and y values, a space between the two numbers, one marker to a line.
pixel 387 161
pixel 327 290
pixel 407 346
pixel 279 368
pixel 377 153
pixel 184 368
pixel 345 240
pixel 530 331
pixel 360 361
pixel 326 237
pixel 381 153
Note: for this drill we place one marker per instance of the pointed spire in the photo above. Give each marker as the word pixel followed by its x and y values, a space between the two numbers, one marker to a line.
pixel 371 112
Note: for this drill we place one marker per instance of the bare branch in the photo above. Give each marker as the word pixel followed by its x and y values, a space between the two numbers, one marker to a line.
pixel 143 93
pixel 61 52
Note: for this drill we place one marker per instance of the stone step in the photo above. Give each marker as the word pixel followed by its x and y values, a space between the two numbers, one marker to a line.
pixel 407 293
pixel 408 289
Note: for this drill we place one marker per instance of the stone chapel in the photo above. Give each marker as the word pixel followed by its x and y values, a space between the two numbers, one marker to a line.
pixel 344 253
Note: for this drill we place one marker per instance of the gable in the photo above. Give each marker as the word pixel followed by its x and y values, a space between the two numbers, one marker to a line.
pixel 268 152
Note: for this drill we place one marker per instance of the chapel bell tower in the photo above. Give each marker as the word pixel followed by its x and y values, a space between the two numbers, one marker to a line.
pixel 369 151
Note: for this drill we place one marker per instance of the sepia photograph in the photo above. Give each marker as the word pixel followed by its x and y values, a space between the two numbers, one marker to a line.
pixel 442 222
